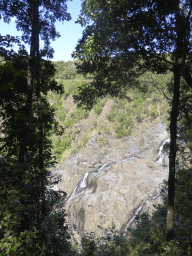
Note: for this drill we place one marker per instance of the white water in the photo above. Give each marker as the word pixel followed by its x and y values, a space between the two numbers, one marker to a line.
pixel 161 156
pixel 160 160
pixel 136 213
pixel 83 184
pixel 138 210
pixel 79 189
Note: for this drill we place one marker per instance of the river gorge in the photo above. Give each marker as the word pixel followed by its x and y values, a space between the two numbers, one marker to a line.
pixel 108 185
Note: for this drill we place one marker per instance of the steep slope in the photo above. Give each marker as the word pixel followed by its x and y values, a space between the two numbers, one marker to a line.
pixel 109 160
pixel 107 184
pixel 117 117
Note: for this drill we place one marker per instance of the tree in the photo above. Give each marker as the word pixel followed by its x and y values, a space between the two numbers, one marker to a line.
pixel 125 39
pixel 28 222
pixel 27 225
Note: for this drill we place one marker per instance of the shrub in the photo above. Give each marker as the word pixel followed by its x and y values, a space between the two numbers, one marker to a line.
pixel 154 112
pixel 62 116
pixel 98 109
pixel 73 136
pixel 85 139
pixel 95 124
pixel 102 142
pixel 75 117
pixel 122 103
pixel 121 131
pixel 61 146
pixel 50 95
pixel 111 117
pixel 60 105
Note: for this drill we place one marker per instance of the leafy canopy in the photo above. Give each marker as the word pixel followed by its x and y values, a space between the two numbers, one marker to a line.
pixel 123 39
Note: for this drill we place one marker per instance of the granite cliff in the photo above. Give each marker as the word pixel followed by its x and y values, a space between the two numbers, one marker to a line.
pixel 110 180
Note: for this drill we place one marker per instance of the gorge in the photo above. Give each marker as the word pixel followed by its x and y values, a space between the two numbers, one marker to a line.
pixel 107 186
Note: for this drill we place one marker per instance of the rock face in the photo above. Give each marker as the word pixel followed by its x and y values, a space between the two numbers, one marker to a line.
pixel 108 184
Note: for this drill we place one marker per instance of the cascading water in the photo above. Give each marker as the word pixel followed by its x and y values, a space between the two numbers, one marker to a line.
pixel 138 211
pixel 80 188
pixel 161 155
pixel 160 160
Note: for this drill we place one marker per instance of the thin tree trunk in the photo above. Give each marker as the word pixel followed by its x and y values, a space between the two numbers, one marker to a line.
pixel 28 112
pixel 33 76
pixel 172 154
pixel 182 28
pixel 36 68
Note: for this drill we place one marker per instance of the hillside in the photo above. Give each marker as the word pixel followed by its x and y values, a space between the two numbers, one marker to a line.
pixel 109 156
pixel 112 116
pixel 113 165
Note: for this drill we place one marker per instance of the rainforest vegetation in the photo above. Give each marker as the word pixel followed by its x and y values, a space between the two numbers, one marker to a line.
pixel 143 75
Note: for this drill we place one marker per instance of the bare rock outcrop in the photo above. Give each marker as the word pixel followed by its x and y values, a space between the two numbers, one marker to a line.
pixel 108 184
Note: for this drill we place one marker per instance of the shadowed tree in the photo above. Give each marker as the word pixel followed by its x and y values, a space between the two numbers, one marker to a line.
pixel 122 40
pixel 28 224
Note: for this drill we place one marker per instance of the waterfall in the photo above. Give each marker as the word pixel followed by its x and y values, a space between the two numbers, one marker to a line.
pixel 160 160
pixel 138 211
pixel 161 156
pixel 79 189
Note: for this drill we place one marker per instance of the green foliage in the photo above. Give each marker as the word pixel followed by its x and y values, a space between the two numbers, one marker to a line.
pixel 65 70
pixel 110 246
pixel 75 117
pixel 124 113
pixel 154 112
pixel 61 146
pixel 73 136
pixel 85 139
pixel 71 87
pixel 102 142
pixel 111 116
pixel 137 110
pixel 62 116
pixel 29 224
pixel 98 107
pixel 121 131
pixel 95 124
pixel 89 246
pixel 50 96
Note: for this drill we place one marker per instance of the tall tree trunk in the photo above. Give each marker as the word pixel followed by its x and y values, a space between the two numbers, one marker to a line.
pixel 33 77
pixel 172 154
pixel 36 69
pixel 180 56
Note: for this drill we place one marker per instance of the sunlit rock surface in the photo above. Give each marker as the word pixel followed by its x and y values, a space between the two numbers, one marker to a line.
pixel 106 185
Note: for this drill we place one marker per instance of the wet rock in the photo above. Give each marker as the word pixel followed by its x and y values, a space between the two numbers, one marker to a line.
pixel 123 175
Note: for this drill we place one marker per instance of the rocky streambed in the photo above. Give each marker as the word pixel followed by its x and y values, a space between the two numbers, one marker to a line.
pixel 107 185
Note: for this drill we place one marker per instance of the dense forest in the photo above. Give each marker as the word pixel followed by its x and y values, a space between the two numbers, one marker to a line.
pixel 145 74
pixel 138 106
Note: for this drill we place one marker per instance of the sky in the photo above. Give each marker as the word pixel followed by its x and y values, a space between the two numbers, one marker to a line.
pixel 69 31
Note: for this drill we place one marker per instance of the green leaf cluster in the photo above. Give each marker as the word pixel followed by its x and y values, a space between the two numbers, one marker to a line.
pixel 29 225
pixel 61 146
pixel 75 117
pixel 103 142
pixel 98 107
